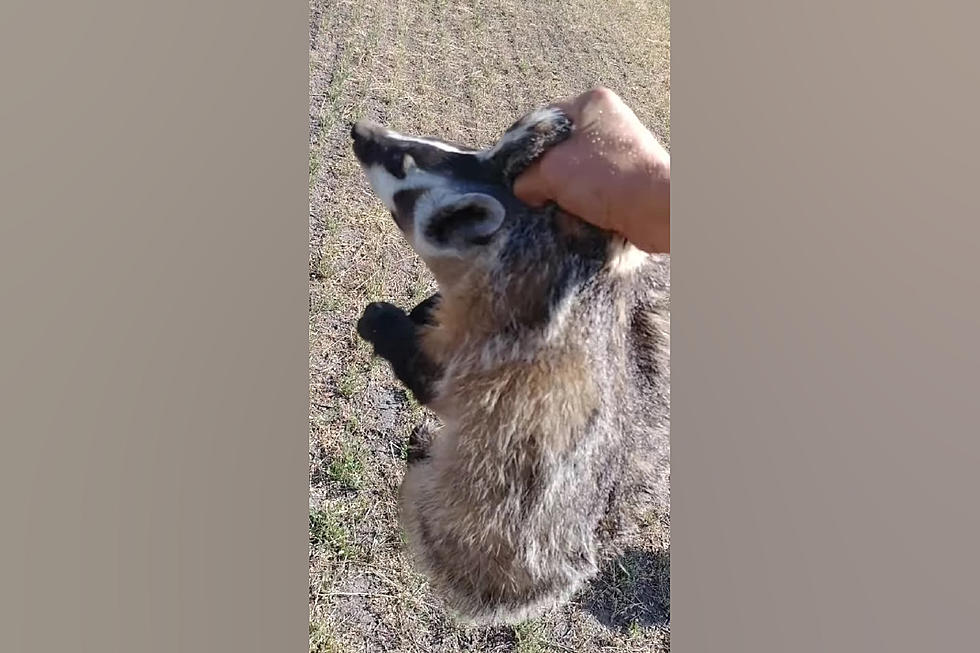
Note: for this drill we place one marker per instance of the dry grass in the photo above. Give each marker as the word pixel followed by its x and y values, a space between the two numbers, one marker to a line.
pixel 462 71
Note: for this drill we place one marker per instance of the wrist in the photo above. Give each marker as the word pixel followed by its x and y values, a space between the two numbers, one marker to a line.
pixel 645 218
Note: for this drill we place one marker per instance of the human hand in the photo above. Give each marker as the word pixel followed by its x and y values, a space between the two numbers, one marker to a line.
pixel 611 172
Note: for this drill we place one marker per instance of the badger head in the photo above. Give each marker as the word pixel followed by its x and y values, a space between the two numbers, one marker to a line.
pixel 456 208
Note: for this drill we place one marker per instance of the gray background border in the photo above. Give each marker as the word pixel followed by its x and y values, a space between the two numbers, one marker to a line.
pixel 153 362
pixel 154 374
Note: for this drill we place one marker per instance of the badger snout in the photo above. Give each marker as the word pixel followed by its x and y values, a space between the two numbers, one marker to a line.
pixel 368 137
pixel 364 131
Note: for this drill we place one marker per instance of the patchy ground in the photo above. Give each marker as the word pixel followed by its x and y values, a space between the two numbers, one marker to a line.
pixel 463 71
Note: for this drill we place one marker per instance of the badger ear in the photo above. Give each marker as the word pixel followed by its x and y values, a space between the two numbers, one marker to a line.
pixel 469 219
pixel 528 139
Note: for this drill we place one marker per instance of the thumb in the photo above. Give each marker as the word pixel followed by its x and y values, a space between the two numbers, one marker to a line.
pixel 532 188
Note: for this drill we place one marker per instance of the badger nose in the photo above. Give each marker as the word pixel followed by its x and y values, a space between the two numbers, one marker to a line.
pixel 366 130
pixel 367 136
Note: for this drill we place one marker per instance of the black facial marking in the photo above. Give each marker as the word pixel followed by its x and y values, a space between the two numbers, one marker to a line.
pixel 405 206
pixel 405 199
pixel 394 163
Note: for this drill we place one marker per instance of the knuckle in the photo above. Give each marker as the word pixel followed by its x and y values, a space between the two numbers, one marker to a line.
pixel 602 94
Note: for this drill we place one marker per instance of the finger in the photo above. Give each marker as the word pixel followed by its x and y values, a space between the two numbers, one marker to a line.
pixel 532 188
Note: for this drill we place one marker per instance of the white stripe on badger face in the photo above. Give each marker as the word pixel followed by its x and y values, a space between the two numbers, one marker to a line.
pixel 386 185
pixel 538 115
pixel 445 147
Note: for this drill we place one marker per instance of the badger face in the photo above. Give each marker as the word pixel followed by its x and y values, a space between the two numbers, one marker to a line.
pixel 454 204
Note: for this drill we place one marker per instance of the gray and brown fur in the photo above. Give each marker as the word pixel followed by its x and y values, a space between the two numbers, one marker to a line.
pixel 546 356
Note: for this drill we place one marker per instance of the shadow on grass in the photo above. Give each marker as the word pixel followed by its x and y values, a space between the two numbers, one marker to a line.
pixel 631 591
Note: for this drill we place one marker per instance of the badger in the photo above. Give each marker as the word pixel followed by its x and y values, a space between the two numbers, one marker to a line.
pixel 545 356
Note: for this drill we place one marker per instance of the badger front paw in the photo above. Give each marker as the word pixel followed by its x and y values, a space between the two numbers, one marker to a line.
pixel 389 329
pixel 378 318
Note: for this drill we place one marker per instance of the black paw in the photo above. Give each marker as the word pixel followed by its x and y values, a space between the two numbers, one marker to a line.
pixel 378 319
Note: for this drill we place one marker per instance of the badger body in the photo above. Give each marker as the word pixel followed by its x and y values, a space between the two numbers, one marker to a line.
pixel 546 356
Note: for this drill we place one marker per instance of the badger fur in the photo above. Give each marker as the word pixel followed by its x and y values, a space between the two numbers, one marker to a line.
pixel 546 356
